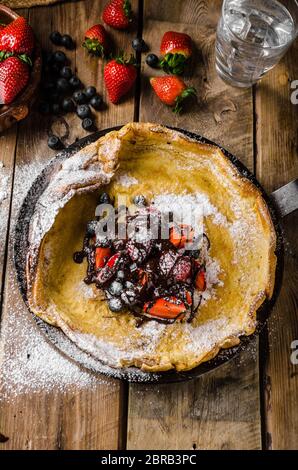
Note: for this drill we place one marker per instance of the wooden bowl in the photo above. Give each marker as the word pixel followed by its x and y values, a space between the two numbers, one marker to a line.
pixel 20 107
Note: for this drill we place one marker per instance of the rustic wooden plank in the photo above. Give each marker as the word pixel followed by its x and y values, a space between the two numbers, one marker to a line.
pixel 7 156
pixel 277 164
pixel 78 417
pixel 220 410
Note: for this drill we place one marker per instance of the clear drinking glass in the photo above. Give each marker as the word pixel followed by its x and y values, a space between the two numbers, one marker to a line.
pixel 252 36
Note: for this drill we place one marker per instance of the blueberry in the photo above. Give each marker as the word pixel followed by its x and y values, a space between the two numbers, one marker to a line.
pixel 54 142
pixel 115 305
pixel 96 102
pixel 44 107
pixel 129 285
pixel 91 226
pixel 88 124
pixel 120 274
pixel 59 57
pixel 152 60
pixel 67 41
pixel 104 198
pixel 116 288
pixel 62 85
pixel 139 200
pixel 68 105
pixel 55 38
pixel 75 82
pixel 55 108
pixel 139 45
pixel 66 72
pixel 79 97
pixel 83 111
pixel 90 91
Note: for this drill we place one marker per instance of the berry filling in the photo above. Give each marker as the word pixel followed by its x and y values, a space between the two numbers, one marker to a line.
pixel 152 276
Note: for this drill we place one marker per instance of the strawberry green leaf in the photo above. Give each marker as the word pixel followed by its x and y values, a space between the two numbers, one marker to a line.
pixel 127 9
pixel 190 91
pixel 25 58
pixel 173 63
pixel 93 46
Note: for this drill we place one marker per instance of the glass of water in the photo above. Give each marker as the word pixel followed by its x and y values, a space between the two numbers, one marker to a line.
pixel 252 36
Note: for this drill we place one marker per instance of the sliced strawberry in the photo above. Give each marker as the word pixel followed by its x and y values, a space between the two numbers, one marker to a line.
pixel 109 270
pixel 169 308
pixel 176 49
pixel 101 256
pixel 143 277
pixel 180 235
pixel 200 281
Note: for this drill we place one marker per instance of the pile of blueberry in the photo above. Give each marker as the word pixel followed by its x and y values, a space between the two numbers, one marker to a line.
pixel 63 91
pixel 152 277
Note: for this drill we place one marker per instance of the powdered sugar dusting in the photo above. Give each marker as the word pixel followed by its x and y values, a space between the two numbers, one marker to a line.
pixel 29 363
pixel 4 181
pixel 126 180
pixel 189 207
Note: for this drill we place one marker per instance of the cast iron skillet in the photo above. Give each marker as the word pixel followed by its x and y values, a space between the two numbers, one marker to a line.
pixel 65 345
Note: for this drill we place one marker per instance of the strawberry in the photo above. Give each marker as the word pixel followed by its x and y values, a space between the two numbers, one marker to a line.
pixel 200 281
pixel 14 76
pixel 17 37
pixel 119 77
pixel 172 91
pixel 96 41
pixel 102 255
pixel 117 14
pixel 176 49
pixel 170 308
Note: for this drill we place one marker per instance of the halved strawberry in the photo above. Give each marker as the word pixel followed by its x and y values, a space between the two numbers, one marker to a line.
pixel 172 91
pixel 176 49
pixel 181 234
pixel 102 255
pixel 96 40
pixel 117 14
pixel 168 308
pixel 200 281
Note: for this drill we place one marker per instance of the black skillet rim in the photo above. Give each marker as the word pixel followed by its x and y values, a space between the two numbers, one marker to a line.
pixel 132 374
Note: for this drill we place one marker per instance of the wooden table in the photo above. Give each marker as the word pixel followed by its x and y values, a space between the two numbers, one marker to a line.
pixel 250 403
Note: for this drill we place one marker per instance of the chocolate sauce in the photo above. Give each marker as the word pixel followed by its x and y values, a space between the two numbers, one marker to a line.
pixel 151 270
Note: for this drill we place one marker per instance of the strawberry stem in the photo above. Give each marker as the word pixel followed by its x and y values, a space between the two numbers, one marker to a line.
pixel 93 46
pixel 127 9
pixel 173 63
pixel 121 59
pixel 190 91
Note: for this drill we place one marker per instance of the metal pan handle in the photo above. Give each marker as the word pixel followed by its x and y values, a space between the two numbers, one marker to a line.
pixel 286 198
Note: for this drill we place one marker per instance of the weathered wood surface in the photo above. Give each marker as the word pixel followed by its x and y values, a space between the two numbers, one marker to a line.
pixel 78 418
pixel 224 409
pixel 277 164
pixel 220 410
